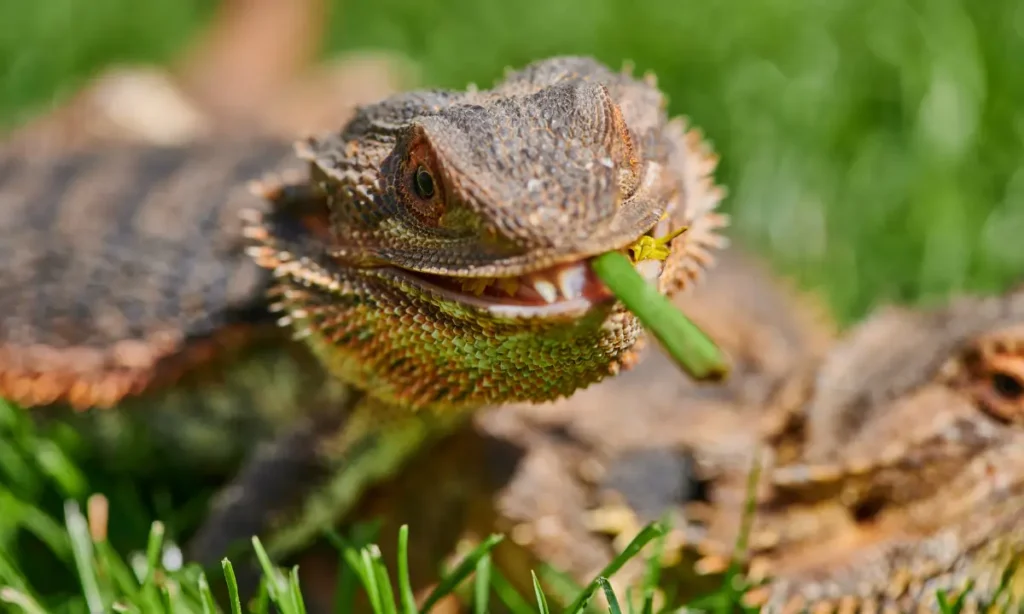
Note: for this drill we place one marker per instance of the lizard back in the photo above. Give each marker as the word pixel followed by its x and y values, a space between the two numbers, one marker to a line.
pixel 123 264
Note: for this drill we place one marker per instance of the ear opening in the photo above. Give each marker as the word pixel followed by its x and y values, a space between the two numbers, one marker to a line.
pixel 295 218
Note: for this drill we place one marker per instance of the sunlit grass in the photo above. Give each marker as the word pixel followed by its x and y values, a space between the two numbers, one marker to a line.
pixel 154 582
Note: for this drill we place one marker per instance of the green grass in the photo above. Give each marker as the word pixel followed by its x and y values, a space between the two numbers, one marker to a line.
pixel 153 580
pixel 149 577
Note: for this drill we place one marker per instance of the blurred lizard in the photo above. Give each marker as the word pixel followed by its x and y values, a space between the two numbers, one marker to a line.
pixel 892 458
pixel 432 253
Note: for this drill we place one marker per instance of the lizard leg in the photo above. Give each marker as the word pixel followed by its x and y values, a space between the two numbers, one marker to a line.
pixel 312 476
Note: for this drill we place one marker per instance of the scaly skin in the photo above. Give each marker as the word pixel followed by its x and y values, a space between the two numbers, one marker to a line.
pixel 925 493
pixel 560 162
pixel 898 473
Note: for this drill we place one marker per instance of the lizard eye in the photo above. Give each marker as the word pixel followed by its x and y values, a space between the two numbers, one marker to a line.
pixel 998 375
pixel 423 182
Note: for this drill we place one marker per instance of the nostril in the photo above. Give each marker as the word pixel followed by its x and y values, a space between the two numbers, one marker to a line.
pixel 868 509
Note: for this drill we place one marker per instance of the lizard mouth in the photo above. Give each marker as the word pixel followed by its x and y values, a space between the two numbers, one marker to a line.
pixel 565 288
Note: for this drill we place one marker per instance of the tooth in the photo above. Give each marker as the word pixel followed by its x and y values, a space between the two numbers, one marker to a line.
pixel 546 290
pixel 571 281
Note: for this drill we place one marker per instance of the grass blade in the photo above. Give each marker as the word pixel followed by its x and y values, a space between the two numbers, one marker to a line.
pixel 509 596
pixel 232 582
pixel 296 593
pixel 735 584
pixel 562 586
pixel 10 577
pixel 688 345
pixel 206 595
pixel 262 604
pixel 351 574
pixel 653 576
pixel 466 567
pixel 153 548
pixel 387 592
pixel 121 575
pixel 53 462
pixel 649 532
pixel 81 548
pixel 277 585
pixel 961 600
pixel 404 581
pixel 370 581
pixel 166 601
pixel 30 518
pixel 609 593
pixel 24 601
pixel 538 593
pixel 482 585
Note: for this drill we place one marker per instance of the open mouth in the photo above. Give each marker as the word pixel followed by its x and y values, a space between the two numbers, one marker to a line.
pixel 560 283
pixel 567 287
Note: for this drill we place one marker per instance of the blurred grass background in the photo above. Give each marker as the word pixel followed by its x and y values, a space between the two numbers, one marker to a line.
pixel 871 148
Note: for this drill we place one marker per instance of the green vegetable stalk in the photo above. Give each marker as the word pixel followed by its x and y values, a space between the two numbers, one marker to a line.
pixel 684 341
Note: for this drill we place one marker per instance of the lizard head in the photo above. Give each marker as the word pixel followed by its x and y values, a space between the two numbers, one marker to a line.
pixel 497 188
pixel 453 267
pixel 909 460
pixel 904 372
